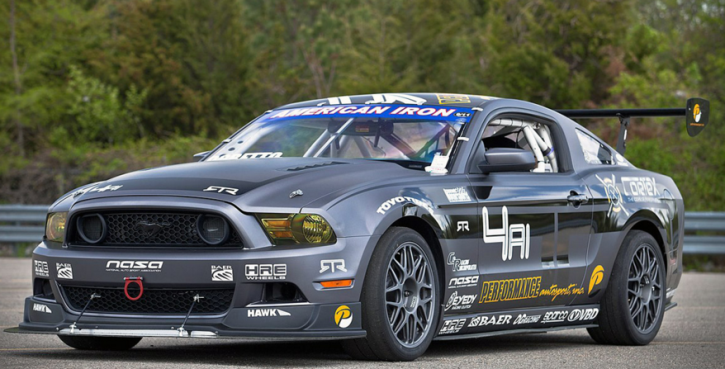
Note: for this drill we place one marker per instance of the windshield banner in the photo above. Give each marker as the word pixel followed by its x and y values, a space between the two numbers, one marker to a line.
pixel 375 111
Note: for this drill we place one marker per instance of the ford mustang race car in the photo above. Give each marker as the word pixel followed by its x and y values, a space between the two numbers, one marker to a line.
pixel 384 221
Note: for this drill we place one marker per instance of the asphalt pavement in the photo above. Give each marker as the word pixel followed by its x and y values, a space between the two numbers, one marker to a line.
pixel 692 336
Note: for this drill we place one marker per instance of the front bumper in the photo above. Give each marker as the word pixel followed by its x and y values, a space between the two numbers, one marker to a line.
pixel 305 322
pixel 249 313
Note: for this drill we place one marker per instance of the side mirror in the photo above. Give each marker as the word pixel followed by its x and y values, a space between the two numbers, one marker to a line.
pixel 200 155
pixel 507 160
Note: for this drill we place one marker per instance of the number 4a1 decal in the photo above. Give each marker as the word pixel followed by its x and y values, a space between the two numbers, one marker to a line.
pixel 510 235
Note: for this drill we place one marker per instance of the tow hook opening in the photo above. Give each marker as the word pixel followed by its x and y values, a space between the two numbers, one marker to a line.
pixel 282 292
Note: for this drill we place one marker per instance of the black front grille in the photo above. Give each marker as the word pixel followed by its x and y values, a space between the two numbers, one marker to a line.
pixel 154 229
pixel 153 301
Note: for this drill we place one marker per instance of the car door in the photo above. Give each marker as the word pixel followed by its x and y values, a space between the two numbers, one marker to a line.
pixel 534 235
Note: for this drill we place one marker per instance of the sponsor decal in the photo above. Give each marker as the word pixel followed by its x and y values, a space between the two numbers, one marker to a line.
pixel 524 288
pixel 378 111
pixel 259 313
pixel 41 268
pixel 458 194
pixel 438 165
pixel 510 236
pixel 339 100
pixel 510 289
pixel 642 189
pixel 596 278
pixel 616 203
pixel 96 189
pixel 460 265
pixel 388 204
pixel 220 189
pixel 555 291
pixel 456 302
pixel 452 326
pixel 453 99
pixel 343 316
pixel 332 265
pixel 396 98
pixel 126 266
pixel 461 282
pixel 42 308
pixel 485 320
pixel 265 272
pixel 249 155
pixel 222 273
pixel 462 226
pixel 696 113
pixel 527 319
pixel 555 316
pixel 65 270
pixel 576 315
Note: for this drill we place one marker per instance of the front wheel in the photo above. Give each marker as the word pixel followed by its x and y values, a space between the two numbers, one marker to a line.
pixel 100 343
pixel 632 308
pixel 399 299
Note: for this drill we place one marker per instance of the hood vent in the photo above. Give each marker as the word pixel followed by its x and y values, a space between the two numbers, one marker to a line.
pixel 297 169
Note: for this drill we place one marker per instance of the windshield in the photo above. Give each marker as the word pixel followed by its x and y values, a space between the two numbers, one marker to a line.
pixel 390 132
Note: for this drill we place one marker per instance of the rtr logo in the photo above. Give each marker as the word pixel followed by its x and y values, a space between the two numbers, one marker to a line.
pixel 343 316
pixel 332 265
pixel 462 226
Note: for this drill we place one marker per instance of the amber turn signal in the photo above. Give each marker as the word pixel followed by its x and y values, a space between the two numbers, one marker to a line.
pixel 337 284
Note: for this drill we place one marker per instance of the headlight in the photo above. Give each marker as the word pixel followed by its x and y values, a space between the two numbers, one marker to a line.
pixel 55 226
pixel 297 229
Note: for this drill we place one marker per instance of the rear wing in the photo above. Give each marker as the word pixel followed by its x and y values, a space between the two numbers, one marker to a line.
pixel 696 113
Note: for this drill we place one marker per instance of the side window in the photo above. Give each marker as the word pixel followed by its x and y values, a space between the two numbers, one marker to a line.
pixel 515 133
pixel 594 151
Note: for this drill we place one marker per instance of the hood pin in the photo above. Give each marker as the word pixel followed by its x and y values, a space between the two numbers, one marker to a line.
pixel 296 193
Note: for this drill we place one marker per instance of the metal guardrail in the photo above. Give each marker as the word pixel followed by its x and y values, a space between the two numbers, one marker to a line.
pixel 25 224
pixel 22 223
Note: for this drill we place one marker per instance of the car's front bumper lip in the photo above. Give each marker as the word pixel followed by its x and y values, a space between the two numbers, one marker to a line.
pixel 307 321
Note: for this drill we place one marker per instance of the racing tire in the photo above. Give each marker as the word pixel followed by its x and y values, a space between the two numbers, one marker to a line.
pixel 632 308
pixel 400 299
pixel 100 343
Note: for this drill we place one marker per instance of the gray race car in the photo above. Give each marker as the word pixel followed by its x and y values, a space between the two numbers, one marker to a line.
pixel 385 221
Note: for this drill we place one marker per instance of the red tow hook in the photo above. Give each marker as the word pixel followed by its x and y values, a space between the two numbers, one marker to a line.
pixel 138 281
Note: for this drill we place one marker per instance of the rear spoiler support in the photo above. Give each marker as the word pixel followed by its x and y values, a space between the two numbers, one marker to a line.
pixel 696 113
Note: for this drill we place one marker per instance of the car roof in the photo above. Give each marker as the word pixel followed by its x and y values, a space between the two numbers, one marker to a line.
pixel 414 98
pixel 446 99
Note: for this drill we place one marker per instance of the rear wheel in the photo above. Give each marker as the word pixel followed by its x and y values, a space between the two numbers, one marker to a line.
pixel 399 299
pixel 632 308
pixel 100 343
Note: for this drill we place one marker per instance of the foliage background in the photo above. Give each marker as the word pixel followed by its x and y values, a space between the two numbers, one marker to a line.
pixel 90 89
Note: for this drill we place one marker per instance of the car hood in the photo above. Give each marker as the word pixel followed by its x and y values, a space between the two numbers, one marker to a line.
pixel 253 185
